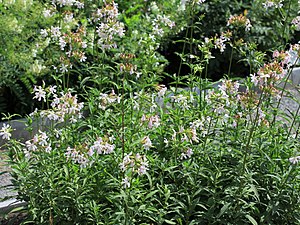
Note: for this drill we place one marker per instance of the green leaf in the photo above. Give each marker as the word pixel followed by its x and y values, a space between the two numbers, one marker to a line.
pixel 149 195
pixel 251 219
pixel 254 190
pixel 223 210
pixel 169 222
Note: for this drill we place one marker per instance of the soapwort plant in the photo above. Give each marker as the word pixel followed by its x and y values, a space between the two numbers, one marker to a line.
pixel 131 150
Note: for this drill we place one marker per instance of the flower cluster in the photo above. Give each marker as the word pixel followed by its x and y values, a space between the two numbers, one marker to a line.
pixel 72 43
pixel 188 135
pixel 183 100
pixel 153 121
pixel 186 154
pixel 62 3
pixel 39 142
pixel 272 4
pixel 65 106
pixel 282 57
pixel 107 99
pixel 5 131
pixel 136 163
pixel 161 90
pixel 147 144
pixel 271 72
pixel 159 22
pixel 220 42
pixel 77 155
pixel 102 146
pixel 239 21
pixel 107 25
pixel 296 23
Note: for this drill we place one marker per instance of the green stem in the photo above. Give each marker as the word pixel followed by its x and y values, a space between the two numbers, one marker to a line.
pixel 283 89
pixel 252 129
pixel 294 119
pixel 123 116
pixel 230 62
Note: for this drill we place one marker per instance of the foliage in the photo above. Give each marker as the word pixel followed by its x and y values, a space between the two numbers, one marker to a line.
pixel 20 68
pixel 115 146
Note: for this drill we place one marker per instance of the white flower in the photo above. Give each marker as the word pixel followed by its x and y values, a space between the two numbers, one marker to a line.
pixel 44 33
pixel 187 154
pixel 296 22
pixel 47 13
pixel 166 142
pixel 30 146
pixel 143 167
pixel 294 160
pixel 272 3
pixel 147 144
pixel 254 79
pixel 68 18
pixel 82 57
pixel 52 89
pixel 40 93
pixel 55 32
pixel 64 68
pixel 5 131
pixel 125 182
pixel 162 90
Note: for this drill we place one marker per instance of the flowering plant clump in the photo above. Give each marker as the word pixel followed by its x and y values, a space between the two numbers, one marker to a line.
pixel 128 149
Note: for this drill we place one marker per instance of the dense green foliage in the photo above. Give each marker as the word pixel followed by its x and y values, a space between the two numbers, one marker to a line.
pixel 116 146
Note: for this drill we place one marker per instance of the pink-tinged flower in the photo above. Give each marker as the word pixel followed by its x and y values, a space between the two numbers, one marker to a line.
pixel 187 154
pixel 39 93
pixel 76 155
pixel 154 121
pixel 137 163
pixel 294 160
pixel 282 57
pixel 296 22
pixel 5 131
pixel 125 182
pixel 147 144
pixel 101 146
pixel 30 146
pixel 143 167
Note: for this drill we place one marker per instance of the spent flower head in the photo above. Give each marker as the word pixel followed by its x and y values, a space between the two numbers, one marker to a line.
pixel 239 21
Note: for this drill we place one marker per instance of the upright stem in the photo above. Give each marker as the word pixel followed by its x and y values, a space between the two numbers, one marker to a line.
pixel 123 117
pixel 281 94
pixel 294 119
pixel 230 62
pixel 252 129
